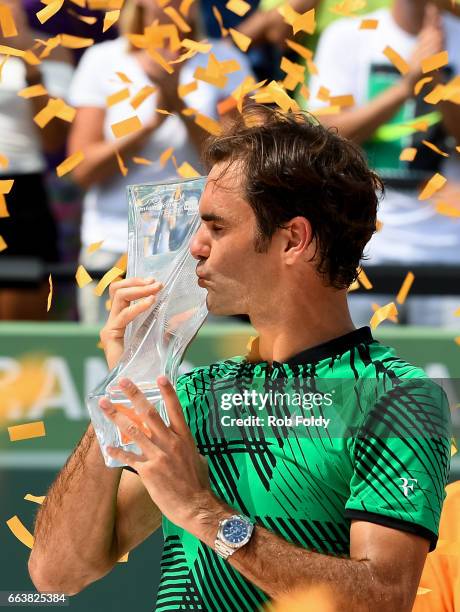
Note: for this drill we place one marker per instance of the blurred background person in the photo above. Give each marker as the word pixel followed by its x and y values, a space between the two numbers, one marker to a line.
pixel 105 211
pixel 29 230
pixel 412 231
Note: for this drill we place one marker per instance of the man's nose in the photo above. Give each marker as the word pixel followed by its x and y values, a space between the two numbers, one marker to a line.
pixel 199 247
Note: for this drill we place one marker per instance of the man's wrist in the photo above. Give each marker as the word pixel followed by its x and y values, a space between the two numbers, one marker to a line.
pixel 205 522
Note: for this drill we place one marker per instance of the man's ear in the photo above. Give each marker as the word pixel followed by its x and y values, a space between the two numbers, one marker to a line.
pixel 299 238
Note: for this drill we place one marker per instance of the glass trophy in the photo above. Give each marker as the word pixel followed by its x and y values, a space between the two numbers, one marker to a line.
pixel 162 219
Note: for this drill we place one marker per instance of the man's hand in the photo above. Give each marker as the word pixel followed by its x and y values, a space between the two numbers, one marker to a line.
pixel 429 42
pixel 170 466
pixel 122 312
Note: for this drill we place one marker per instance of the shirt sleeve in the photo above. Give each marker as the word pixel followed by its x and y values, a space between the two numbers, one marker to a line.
pixel 87 86
pixel 401 460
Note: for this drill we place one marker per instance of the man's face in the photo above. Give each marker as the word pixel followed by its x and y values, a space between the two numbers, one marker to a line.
pixel 235 276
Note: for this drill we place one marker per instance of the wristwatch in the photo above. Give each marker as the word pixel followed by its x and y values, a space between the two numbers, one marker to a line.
pixel 232 533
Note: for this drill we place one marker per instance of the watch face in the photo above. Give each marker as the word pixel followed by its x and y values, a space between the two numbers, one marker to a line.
pixel 235 531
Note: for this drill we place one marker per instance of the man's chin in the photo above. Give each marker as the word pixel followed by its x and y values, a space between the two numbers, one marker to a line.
pixel 219 309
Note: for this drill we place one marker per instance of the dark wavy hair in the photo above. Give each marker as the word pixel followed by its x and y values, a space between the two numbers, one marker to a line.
pixel 293 166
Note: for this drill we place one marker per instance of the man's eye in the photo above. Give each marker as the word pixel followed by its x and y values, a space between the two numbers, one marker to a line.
pixel 217 228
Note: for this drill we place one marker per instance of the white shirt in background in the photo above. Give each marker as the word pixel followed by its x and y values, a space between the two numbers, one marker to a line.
pixel 20 140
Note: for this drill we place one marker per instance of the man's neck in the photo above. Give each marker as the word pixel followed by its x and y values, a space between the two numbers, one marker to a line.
pixel 298 326
pixel 409 14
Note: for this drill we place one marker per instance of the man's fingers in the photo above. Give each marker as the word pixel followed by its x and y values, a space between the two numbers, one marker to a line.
pixel 128 282
pixel 160 432
pixel 130 426
pixel 125 295
pixel 173 407
pixel 126 457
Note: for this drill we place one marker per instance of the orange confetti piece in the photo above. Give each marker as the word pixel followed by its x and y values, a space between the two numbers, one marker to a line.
pixel 50 10
pixel 27 431
pixel 300 49
pixel 354 286
pixel 82 277
pixel 54 108
pixel 142 161
pixel 199 47
pixel 33 91
pixel 421 83
pixel 6 186
pixel 38 499
pixel 398 62
pixel 241 40
pixel 443 208
pixel 80 3
pixel 121 164
pixel 220 21
pixel 28 56
pixel 122 262
pixel 435 61
pixel 408 154
pixel 434 148
pixel 177 19
pixel 435 183
pixel 369 24
pixel 405 288
pixel 110 18
pixel 364 280
pixel 457 340
pixel 210 125
pixel 21 532
pixel 95 246
pixel 108 278
pixel 117 97
pixel 186 170
pixel 225 106
pixel 127 126
pixel 7 23
pixel 418 126
pixel 342 101
pixel 323 94
pixel 184 90
pixel 70 163
pixel 305 22
pixel 75 42
pixel 185 7
pixel 436 95
pixel 142 95
pixel 4 161
pixel 239 7
pixel 164 157
pixel 123 77
pixel 84 18
pixel 383 313
pixel 50 294
pixel 3 208
pixel 3 244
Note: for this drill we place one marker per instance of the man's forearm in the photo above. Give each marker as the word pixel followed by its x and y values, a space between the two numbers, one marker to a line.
pixel 74 528
pixel 277 566
pixel 359 124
